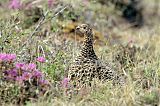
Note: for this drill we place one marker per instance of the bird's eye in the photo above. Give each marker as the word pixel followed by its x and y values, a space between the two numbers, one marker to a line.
pixel 84 27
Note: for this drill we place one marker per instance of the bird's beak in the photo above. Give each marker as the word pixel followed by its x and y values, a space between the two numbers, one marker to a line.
pixel 78 31
pixel 77 28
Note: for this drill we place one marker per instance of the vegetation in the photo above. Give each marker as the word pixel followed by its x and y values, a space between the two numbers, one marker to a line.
pixel 38 43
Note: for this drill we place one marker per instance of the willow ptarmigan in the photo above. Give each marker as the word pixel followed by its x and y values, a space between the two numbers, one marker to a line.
pixel 87 66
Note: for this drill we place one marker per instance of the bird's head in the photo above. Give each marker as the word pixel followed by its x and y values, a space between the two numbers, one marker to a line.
pixel 84 29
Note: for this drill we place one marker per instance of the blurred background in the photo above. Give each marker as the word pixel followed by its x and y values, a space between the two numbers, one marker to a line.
pixel 109 18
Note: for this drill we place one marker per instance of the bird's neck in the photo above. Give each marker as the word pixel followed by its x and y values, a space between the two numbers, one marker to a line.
pixel 87 48
pixel 88 42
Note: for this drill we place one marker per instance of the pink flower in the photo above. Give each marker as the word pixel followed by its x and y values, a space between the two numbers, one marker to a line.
pixel 12 72
pixel 37 74
pixel 11 57
pixel 24 67
pixel 31 66
pixel 26 76
pixel 65 82
pixel 41 59
pixel 7 57
pixel 3 56
pixel 19 65
pixel 15 4
pixel 44 82
pixel 50 3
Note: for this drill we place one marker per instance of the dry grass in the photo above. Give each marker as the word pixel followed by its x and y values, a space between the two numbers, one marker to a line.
pixel 142 79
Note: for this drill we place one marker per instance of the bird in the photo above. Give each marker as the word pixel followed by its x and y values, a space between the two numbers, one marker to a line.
pixel 87 66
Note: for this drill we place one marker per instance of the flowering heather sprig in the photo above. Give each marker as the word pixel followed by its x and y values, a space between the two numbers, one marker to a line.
pixel 37 74
pixel 21 72
pixel 31 66
pixel 41 59
pixel 7 57
pixel 44 82
pixel 26 67
pixel 50 3
pixel 10 74
pixel 28 72
pixel 65 82
pixel 2 57
pixel 19 65
pixel 11 57
pixel 26 76
pixel 14 4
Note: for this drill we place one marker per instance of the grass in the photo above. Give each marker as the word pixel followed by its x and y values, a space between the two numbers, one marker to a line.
pixel 59 48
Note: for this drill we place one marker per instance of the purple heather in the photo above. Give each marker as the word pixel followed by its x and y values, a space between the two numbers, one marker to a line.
pixel 31 66
pixel 3 56
pixel 19 65
pixel 7 57
pixel 50 3
pixel 10 74
pixel 44 82
pixel 37 74
pixel 26 76
pixel 65 82
pixel 13 72
pixel 15 4
pixel 11 57
pixel 41 59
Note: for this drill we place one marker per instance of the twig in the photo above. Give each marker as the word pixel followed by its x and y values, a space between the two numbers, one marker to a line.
pixel 39 24
pixel 60 11
pixel 42 22
pixel 36 28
